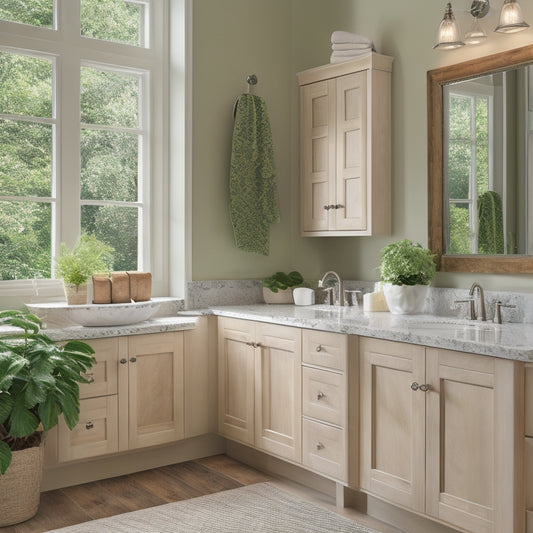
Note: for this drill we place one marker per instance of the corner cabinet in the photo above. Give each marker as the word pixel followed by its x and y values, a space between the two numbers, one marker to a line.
pixel 345 148
pixel 437 436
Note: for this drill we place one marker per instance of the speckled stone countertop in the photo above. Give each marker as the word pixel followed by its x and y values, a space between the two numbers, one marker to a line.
pixel 509 341
pixel 154 325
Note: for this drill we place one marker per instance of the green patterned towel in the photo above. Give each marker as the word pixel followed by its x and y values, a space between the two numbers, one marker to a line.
pixel 253 188
pixel 490 223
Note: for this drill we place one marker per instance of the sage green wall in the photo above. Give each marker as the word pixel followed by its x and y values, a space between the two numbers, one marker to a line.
pixel 275 39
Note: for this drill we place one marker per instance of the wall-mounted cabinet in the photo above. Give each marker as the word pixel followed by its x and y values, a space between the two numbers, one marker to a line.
pixel 345 148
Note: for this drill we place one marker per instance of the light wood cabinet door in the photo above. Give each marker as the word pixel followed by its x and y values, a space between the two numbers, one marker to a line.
pixel 103 376
pixel 351 176
pixel 317 154
pixel 472 441
pixel 278 358
pixel 154 373
pixel 392 435
pixel 236 379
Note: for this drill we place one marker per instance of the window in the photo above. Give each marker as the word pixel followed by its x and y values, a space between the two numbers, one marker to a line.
pixel 82 138
pixel 468 166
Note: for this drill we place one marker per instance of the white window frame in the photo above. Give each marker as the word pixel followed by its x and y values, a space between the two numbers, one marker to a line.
pixel 71 51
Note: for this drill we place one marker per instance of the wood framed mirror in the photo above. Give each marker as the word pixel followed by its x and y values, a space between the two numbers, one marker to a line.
pixel 509 259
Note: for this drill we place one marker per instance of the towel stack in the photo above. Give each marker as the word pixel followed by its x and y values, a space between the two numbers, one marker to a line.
pixel 346 46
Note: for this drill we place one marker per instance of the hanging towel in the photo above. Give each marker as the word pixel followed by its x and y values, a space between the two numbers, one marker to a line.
pixel 490 223
pixel 253 187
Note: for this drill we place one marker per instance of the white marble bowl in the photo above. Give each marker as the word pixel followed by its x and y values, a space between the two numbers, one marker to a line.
pixel 94 315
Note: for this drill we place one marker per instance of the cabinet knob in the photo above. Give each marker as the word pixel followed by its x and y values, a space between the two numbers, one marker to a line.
pixel 327 207
pixel 424 387
pixel 257 345
pixel 320 395
pixel 320 446
pixel 339 206
pixel 319 348
pixel 123 361
pixel 133 359
pixel 89 378
pixel 89 425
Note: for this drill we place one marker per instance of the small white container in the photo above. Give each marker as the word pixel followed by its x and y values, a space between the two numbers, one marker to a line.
pixel 303 296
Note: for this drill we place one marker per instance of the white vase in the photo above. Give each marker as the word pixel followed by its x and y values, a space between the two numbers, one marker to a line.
pixel 405 299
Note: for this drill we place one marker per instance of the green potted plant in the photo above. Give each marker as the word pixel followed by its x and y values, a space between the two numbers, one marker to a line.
pixel 406 270
pixel 277 289
pixel 89 256
pixel 39 380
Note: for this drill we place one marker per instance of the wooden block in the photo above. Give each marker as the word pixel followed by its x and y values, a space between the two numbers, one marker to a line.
pixel 101 289
pixel 140 286
pixel 120 287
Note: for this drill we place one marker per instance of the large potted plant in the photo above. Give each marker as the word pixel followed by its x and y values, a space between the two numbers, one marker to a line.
pixel 406 270
pixel 89 256
pixel 277 289
pixel 39 381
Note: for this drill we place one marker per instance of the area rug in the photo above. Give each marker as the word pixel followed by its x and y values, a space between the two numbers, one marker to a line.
pixel 254 508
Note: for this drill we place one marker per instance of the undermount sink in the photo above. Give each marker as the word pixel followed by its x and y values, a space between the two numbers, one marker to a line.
pixel 94 315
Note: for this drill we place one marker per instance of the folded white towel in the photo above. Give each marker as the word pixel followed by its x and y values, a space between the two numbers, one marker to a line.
pixel 347 37
pixel 346 53
pixel 351 46
pixel 339 59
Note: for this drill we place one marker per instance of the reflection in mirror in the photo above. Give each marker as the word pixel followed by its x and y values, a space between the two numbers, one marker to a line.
pixel 485 163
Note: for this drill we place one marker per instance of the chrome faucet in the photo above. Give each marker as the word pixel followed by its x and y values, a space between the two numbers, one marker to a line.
pixel 339 282
pixel 481 300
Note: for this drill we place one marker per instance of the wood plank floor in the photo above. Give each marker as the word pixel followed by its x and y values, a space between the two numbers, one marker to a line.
pixel 90 501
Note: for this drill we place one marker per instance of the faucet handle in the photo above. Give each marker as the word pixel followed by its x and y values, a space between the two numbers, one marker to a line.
pixel 472 303
pixel 498 312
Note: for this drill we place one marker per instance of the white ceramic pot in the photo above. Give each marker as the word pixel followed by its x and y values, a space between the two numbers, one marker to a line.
pixel 405 299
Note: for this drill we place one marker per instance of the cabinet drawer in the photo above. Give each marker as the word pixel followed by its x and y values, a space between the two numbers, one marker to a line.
pixel 103 375
pixel 529 400
pixel 324 449
pixel 325 349
pixel 324 395
pixel 96 432
pixel 528 474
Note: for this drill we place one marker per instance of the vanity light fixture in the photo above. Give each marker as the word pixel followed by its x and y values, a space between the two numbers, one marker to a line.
pixel 475 34
pixel 448 36
pixel 511 19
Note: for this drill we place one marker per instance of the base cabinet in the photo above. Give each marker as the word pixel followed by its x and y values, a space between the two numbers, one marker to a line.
pixel 134 398
pixel 437 436
pixel 259 380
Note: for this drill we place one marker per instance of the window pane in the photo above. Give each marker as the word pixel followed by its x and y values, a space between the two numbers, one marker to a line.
pixel 109 165
pixel 113 20
pixel 460 117
pixel 459 168
pixel 25 159
pixel 34 12
pixel 25 85
pixel 109 98
pixel 482 145
pixel 25 237
pixel 116 226
pixel 460 236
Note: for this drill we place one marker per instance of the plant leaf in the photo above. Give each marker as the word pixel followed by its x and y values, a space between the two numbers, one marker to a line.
pixel 5 456
pixel 22 421
pixel 6 406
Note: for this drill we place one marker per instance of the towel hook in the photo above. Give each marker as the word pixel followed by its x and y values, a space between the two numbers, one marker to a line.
pixel 251 80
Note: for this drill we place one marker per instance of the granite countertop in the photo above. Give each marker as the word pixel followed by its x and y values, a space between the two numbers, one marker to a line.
pixel 509 341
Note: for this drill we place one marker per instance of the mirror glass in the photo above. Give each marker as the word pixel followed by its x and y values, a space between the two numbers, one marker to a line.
pixel 487 164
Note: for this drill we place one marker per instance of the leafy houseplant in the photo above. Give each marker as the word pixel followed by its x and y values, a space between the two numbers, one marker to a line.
pixel 406 269
pixel 277 288
pixel 39 380
pixel 75 266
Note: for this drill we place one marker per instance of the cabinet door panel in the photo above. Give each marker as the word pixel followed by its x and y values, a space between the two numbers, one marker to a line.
pixel 236 379
pixel 155 372
pixel 351 191
pixel 103 378
pixel 277 390
pixel 392 421
pixel 317 154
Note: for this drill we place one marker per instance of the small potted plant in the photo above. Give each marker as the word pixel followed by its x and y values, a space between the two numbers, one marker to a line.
pixel 89 256
pixel 39 380
pixel 406 270
pixel 277 289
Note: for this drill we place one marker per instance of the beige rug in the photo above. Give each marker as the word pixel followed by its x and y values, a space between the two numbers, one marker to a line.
pixel 255 508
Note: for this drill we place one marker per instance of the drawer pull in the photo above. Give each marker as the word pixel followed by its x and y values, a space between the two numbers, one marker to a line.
pixel 89 378
pixel 133 359
pixel 424 387
pixel 123 361
pixel 320 446
pixel 319 348
pixel 320 395
pixel 89 425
